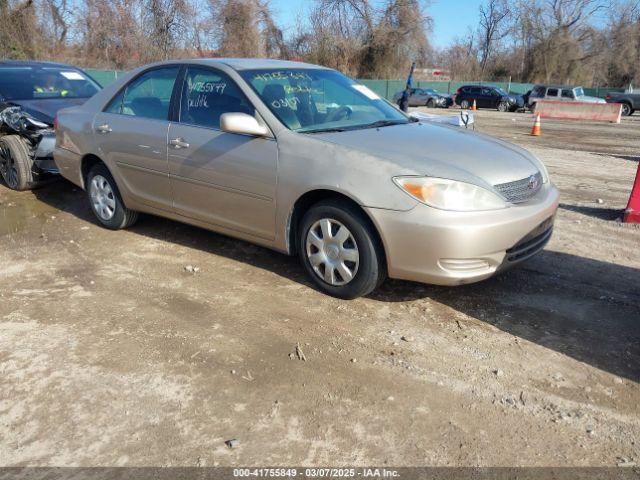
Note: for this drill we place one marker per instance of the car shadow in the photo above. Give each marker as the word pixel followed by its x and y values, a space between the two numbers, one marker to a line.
pixel 583 308
pixel 596 212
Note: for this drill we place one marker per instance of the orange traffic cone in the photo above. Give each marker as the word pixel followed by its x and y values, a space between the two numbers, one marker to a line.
pixel 474 107
pixel 535 131
pixel 632 212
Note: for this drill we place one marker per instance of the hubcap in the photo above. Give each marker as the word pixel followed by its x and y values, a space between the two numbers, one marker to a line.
pixel 332 252
pixel 102 198
pixel 8 167
pixel 626 109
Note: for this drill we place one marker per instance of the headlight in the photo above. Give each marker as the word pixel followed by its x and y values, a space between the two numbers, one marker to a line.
pixel 450 194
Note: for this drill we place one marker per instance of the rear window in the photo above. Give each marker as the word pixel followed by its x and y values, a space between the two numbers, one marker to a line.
pixel 35 83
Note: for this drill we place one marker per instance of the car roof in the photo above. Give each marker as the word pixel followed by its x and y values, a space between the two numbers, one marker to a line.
pixel 32 63
pixel 246 63
pixel 554 86
pixel 479 86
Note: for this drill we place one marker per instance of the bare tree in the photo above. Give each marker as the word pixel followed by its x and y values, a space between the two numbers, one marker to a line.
pixel 166 19
pixel 494 18
pixel 245 28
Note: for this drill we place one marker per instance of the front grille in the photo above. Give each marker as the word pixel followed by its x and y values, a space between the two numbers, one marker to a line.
pixel 520 190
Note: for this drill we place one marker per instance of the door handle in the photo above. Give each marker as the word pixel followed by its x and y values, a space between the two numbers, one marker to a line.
pixel 104 128
pixel 178 143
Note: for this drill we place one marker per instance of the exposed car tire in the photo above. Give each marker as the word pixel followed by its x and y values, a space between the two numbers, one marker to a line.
pixel 503 106
pixel 16 164
pixel 464 104
pixel 626 110
pixel 340 250
pixel 430 103
pixel 105 200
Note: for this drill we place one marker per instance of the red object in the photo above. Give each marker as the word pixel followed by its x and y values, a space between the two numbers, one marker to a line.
pixel 55 122
pixel 535 131
pixel 632 213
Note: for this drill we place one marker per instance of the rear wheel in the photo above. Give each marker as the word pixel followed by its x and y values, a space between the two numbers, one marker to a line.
pixel 105 200
pixel 340 250
pixel 626 109
pixel 16 164
pixel 430 103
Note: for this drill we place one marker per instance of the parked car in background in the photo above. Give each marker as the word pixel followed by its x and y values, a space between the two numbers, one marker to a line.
pixel 303 160
pixel 630 101
pixel 561 93
pixel 31 93
pixel 488 97
pixel 427 97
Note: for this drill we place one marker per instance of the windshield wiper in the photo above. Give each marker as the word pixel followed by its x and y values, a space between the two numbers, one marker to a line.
pixel 382 123
pixel 324 130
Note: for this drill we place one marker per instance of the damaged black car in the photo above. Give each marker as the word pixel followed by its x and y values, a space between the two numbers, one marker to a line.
pixel 31 93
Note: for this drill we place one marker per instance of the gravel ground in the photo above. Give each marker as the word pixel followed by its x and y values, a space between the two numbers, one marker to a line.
pixel 113 353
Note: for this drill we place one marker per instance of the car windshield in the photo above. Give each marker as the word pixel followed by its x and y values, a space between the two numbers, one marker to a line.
pixel 578 91
pixel 317 100
pixel 33 83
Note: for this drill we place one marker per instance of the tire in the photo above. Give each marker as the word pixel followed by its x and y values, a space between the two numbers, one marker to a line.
pixel 356 251
pixel 626 110
pixel 532 107
pixel 16 164
pixel 503 107
pixel 464 104
pixel 105 200
pixel 429 103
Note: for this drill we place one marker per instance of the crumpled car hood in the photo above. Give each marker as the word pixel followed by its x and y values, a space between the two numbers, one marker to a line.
pixel 45 109
pixel 440 151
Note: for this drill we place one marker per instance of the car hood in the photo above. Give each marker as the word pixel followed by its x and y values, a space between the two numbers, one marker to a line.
pixel 45 109
pixel 440 151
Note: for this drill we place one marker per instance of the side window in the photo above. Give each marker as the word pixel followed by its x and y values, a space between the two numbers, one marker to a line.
pixel 475 90
pixel 207 94
pixel 538 92
pixel 552 92
pixel 567 93
pixel 148 95
pixel 115 105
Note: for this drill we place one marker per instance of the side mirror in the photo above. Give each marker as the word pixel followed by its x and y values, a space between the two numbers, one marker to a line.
pixel 242 123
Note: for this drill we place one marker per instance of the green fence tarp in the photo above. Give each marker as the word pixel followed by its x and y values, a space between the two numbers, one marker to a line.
pixel 387 88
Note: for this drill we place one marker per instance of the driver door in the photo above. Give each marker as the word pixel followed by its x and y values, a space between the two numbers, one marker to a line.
pixel 224 179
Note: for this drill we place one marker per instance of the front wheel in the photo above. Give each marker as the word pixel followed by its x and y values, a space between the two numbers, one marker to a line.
pixel 16 164
pixel 340 250
pixel 503 107
pixel 464 104
pixel 105 200
pixel 626 110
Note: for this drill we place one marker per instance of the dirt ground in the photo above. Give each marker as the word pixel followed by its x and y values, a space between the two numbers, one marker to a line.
pixel 111 353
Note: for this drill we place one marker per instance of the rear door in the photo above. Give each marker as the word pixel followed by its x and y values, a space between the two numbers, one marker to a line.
pixel 567 95
pixel 221 178
pixel 487 100
pixel 552 94
pixel 131 135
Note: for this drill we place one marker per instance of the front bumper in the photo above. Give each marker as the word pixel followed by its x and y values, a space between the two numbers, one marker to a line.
pixel 441 247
